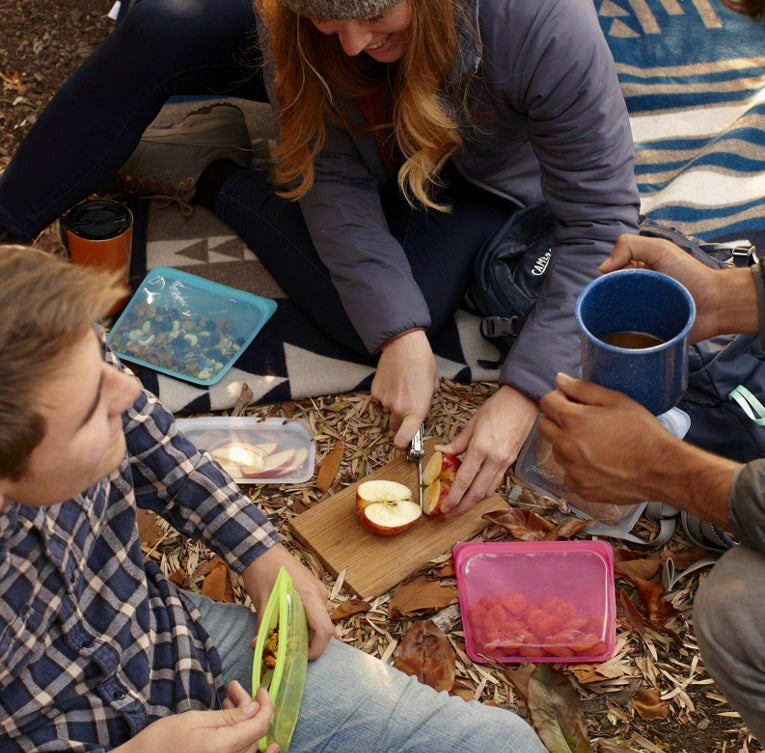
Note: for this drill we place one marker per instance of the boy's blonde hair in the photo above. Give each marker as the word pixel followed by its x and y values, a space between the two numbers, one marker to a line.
pixel 312 73
pixel 47 305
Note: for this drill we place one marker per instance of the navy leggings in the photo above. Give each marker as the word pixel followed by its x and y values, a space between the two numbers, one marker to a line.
pixel 164 48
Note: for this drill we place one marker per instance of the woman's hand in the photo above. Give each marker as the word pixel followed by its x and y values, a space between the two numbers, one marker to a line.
pixel 491 442
pixel 405 382
pixel 234 729
pixel 259 579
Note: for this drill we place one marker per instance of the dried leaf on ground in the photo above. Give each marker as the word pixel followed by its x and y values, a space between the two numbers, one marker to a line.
pixel 523 524
pixel 178 577
pixel 632 613
pixel 637 568
pixel 149 530
pixel 420 596
pixel 659 610
pixel 519 679
pixel 348 609
pixel 244 399
pixel 426 654
pixel 614 746
pixel 329 467
pixel 648 704
pixel 556 713
pixel 570 526
pixel 217 585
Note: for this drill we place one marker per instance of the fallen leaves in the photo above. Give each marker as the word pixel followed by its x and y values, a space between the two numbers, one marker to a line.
pixel 217 585
pixel 348 608
pixel 648 704
pixel 329 467
pixel 555 710
pixel 426 654
pixel 659 610
pixel 526 525
pixel 419 597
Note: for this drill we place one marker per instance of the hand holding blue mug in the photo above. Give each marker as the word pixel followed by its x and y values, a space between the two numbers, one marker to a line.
pixel 635 326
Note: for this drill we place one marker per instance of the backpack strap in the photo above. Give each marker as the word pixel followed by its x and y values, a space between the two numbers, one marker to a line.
pixel 753 408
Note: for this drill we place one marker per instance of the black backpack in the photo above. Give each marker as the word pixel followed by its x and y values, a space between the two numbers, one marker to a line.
pixel 726 380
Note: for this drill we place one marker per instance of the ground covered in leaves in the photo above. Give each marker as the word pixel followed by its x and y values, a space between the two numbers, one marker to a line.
pixel 653 696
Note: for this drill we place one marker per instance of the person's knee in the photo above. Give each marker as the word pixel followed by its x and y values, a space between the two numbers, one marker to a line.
pixel 722 608
pixel 174 26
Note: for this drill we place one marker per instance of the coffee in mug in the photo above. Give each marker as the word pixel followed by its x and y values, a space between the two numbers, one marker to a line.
pixel 651 316
pixel 631 339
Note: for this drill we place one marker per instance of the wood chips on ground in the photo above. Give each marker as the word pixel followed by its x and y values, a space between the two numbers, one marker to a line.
pixel 652 695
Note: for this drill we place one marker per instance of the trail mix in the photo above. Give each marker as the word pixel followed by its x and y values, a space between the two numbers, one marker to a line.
pixel 167 337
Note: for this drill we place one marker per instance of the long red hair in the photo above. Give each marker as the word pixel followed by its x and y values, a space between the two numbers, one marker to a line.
pixel 312 73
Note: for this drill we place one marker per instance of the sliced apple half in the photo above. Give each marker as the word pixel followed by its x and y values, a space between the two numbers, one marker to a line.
pixel 437 478
pixel 386 507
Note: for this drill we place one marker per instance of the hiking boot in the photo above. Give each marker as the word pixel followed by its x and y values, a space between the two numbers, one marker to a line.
pixel 168 161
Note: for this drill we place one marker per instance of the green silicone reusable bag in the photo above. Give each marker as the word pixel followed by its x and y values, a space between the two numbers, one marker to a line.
pixel 284 612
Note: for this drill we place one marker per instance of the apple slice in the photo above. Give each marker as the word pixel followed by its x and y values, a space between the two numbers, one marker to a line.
pixel 440 465
pixel 437 478
pixel 274 464
pixel 386 507
pixel 262 448
pixel 237 454
pixel 433 496
pixel 296 464
pixel 232 469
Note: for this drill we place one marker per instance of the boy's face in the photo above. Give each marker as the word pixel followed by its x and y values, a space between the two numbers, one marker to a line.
pixel 82 402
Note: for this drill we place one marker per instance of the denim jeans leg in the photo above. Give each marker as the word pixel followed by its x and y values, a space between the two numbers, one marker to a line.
pixel 93 123
pixel 354 702
pixel 231 627
pixel 728 615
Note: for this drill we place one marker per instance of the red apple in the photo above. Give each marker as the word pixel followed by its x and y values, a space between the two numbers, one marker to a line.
pixel 437 478
pixel 386 507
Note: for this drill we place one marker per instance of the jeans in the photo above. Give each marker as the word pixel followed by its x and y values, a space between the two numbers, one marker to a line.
pixel 164 48
pixel 92 125
pixel 728 615
pixel 354 702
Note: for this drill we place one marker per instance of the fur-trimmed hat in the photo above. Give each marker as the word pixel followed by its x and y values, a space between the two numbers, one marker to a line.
pixel 339 10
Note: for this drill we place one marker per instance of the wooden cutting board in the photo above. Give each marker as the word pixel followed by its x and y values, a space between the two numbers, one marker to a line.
pixel 374 564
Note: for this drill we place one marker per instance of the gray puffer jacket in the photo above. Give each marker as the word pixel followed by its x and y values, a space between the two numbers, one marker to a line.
pixel 547 121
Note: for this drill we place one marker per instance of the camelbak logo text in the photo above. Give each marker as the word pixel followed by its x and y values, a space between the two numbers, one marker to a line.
pixel 541 264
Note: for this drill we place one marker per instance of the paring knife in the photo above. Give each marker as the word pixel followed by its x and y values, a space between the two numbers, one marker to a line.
pixel 414 455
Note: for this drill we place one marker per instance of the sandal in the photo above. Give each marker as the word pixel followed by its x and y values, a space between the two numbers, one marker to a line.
pixel 706 535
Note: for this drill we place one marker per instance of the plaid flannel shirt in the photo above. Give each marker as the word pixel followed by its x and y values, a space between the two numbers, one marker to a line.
pixel 95 643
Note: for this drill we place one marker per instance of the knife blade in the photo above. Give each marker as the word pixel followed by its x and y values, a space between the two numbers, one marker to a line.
pixel 414 455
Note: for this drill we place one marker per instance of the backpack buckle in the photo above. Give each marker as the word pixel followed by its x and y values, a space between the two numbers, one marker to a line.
pixel 742 253
pixel 500 326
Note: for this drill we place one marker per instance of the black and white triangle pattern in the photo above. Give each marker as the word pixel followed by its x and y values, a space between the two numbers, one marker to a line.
pixel 291 358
